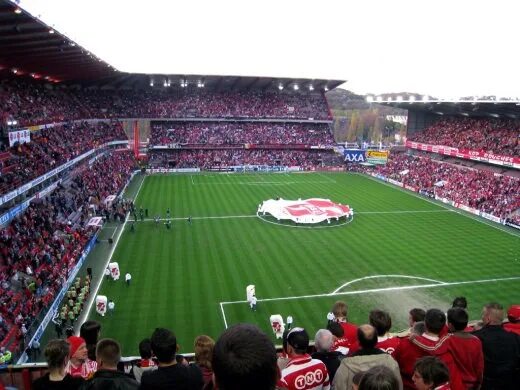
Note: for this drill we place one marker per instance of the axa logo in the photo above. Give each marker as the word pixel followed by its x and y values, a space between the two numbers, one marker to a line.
pixel 355 157
pixel 309 379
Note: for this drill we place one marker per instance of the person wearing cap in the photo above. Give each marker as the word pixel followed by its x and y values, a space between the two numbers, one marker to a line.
pixel 365 358
pixel 501 350
pixel 79 364
pixel 302 371
pixel 513 315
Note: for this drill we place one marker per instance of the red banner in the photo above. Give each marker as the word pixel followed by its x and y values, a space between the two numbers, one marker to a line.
pixel 467 154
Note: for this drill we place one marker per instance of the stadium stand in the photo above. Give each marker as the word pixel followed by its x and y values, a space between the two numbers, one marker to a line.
pixel 498 136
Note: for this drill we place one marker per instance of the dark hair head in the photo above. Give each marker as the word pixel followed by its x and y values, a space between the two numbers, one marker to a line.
pixel 417 314
pixel 460 302
pixel 204 350
pixel 145 349
pixel 367 336
pixel 434 320
pixel 108 352
pixel 164 345
pixel 244 358
pixel 379 378
pixel 419 328
pixel 432 370
pixel 380 320
pixel 56 353
pixel 458 318
pixel 336 329
pixel 90 331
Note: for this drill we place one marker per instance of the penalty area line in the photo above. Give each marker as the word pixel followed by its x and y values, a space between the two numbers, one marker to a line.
pixel 383 289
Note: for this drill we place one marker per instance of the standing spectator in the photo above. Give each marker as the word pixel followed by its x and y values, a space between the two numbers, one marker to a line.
pixel 111 307
pixel 513 316
pixel 465 348
pixel 244 358
pixel 339 309
pixel 170 373
pixel 501 350
pixel 382 322
pixel 203 352
pixel 146 363
pixel 79 364
pixel 431 373
pixel 365 358
pixel 128 278
pixel 108 354
pixel 323 342
pixel 57 356
pixel 302 371
pixel 90 331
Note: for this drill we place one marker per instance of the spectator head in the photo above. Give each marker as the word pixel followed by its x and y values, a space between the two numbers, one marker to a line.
pixel 419 328
pixel 323 340
pixel 108 354
pixel 204 350
pixel 416 315
pixel 340 309
pixel 434 320
pixel 367 336
pixel 430 372
pixel 336 329
pixel 57 354
pixel 356 379
pixel 297 341
pixel 513 314
pixel 244 358
pixel 460 302
pixel 145 349
pixel 78 349
pixel 380 320
pixel 379 378
pixel 492 314
pixel 90 331
pixel 457 319
pixel 164 345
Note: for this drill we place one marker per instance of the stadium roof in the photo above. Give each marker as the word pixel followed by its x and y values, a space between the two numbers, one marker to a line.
pixel 31 47
pixel 464 108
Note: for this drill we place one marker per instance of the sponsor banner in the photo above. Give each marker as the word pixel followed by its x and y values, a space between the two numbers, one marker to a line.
pixel 411 188
pixel 468 154
pixel 466 208
pixel 491 217
pixel 4 219
pixel 294 169
pixel 513 225
pixel 173 170
pixel 354 155
pixel 395 182
pixel 377 156
pixel 53 310
pixel 47 190
pixel 21 136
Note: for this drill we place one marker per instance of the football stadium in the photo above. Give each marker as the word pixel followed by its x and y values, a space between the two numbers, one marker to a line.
pixel 213 231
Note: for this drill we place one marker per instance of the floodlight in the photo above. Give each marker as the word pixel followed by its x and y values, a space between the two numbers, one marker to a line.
pixel 51 31
pixel 280 86
pixel 296 87
pixel 15 71
pixel 412 98
pixel 311 87
pixel 326 88
pixel 399 98
pixel 17 11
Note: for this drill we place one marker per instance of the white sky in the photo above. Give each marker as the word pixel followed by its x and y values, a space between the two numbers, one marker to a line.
pixel 447 48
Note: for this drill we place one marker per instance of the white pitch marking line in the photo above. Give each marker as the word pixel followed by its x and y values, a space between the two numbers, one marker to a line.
pixel 385 276
pixel 112 250
pixel 223 315
pixel 418 286
pixel 404 212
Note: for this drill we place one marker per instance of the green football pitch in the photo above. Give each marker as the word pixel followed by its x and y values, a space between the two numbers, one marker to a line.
pixel 400 251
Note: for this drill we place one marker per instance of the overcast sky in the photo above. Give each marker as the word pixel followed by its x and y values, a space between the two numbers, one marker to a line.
pixel 446 48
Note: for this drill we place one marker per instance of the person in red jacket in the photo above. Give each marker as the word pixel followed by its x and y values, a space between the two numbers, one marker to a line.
pixel 339 309
pixel 513 315
pixel 466 349
pixel 382 321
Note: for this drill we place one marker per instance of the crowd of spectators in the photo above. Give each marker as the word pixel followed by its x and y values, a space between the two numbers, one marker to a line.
pixel 222 158
pixel 483 190
pixel 50 148
pixel 32 102
pixel 41 246
pixel 497 136
pixel 440 350
pixel 230 133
